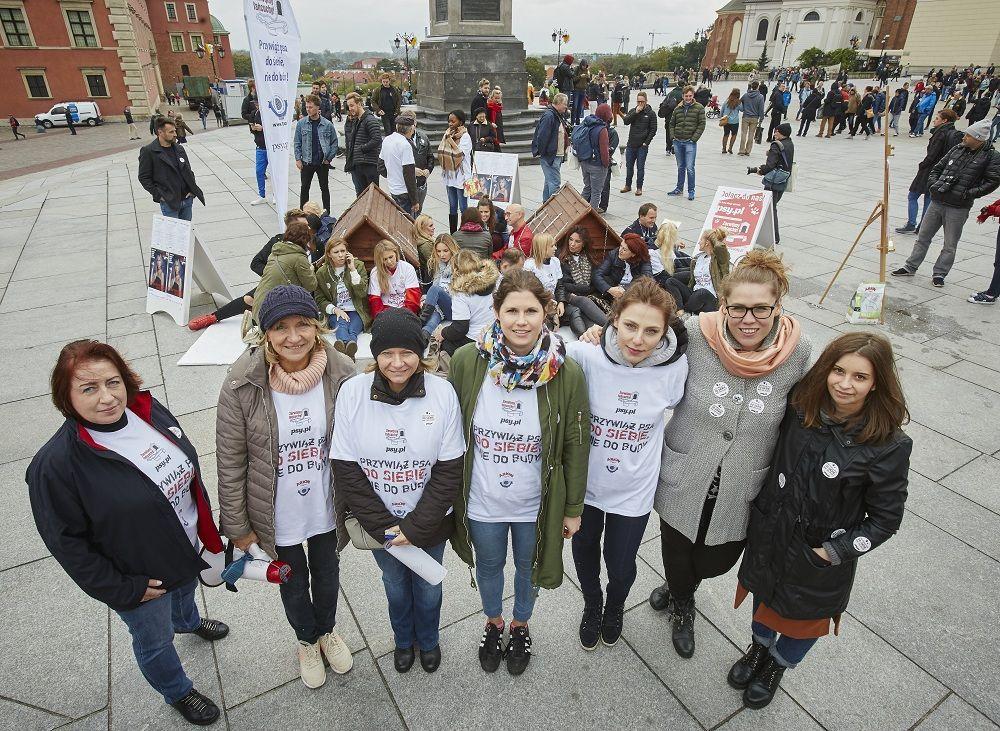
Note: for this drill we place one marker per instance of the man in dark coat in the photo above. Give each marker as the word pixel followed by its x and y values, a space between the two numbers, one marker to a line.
pixel 781 154
pixel 641 122
pixel 386 104
pixel 944 136
pixel 362 144
pixel 165 171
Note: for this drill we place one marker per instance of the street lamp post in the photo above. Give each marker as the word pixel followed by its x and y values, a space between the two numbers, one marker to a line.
pixel 210 49
pixel 407 41
pixel 559 37
pixel 787 39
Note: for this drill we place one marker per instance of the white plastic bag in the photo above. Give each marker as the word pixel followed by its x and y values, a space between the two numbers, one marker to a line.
pixel 866 304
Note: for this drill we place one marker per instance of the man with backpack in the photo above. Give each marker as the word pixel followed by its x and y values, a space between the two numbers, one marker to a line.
pixel 591 145
pixel 667 107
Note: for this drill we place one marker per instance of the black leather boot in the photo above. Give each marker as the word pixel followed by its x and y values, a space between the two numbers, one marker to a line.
pixel 660 598
pixel 590 625
pixel 425 312
pixel 683 634
pixel 762 688
pixel 452 222
pixel 576 323
pixel 746 668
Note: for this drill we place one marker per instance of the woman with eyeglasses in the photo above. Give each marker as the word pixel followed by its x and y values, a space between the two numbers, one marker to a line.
pixel 744 360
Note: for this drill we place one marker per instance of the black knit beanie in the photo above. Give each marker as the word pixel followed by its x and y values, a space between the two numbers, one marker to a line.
pixel 396 327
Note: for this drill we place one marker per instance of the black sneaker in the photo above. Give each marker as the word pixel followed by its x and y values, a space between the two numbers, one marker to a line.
pixel 937 281
pixel 491 647
pixel 518 650
pixel 982 298
pixel 197 709
pixel 209 629
pixel 590 625
pixel 611 626
pixel 907 229
pixel 902 272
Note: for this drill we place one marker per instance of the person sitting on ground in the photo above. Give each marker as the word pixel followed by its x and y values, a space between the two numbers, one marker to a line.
pixel 393 282
pixel 520 232
pixel 325 229
pixel 471 236
pixel 510 259
pixel 629 261
pixel 493 221
pixel 435 306
pixel 422 238
pixel 582 305
pixel 668 254
pixel 708 268
pixel 288 264
pixel 341 295
pixel 472 284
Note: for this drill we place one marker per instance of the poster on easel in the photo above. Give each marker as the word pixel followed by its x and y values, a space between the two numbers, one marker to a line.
pixel 177 260
pixel 747 217
pixel 497 173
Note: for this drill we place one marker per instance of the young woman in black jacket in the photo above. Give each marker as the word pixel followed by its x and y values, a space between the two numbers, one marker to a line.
pixel 119 501
pixel 836 490
pixel 583 307
pixel 629 261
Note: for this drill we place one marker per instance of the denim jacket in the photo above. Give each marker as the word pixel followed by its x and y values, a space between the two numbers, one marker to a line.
pixel 327 140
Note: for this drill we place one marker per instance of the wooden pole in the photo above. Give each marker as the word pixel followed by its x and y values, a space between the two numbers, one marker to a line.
pixel 875 214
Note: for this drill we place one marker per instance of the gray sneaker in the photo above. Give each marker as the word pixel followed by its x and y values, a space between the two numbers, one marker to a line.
pixel 902 272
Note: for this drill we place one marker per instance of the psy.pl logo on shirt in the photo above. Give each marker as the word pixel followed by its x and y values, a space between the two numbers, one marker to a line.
pixel 628 400
pixel 506 479
pixel 396 440
pixel 612 465
pixel 152 453
pixel 513 412
pixel 299 418
pixel 302 487
pixel 398 508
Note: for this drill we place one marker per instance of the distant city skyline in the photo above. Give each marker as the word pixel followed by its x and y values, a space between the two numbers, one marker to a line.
pixel 674 21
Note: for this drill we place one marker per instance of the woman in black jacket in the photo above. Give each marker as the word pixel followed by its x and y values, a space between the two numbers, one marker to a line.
pixel 581 304
pixel 629 261
pixel 118 499
pixel 828 112
pixel 836 490
pixel 808 113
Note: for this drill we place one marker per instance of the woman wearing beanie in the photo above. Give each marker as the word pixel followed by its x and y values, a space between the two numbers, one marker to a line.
pixel 622 265
pixel 596 166
pixel 744 361
pixel 524 405
pixel 393 283
pixel 397 458
pixel 272 434
pixel 341 295
pixel 835 491
pixel 700 292
pixel 781 154
pixel 637 372
pixel 287 264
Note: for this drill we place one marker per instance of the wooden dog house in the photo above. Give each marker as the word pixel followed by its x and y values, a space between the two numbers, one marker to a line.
pixel 374 216
pixel 566 210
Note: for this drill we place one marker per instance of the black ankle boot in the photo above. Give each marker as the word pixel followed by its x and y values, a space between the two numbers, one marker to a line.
pixel 452 222
pixel 763 687
pixel 746 668
pixel 425 312
pixel 576 323
pixel 590 625
pixel 660 598
pixel 683 634
pixel 611 625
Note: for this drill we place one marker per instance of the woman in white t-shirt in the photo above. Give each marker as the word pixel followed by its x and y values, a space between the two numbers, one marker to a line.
pixel 544 264
pixel 397 456
pixel 393 282
pixel 636 373
pixel 472 285
pixel 272 437
pixel 708 268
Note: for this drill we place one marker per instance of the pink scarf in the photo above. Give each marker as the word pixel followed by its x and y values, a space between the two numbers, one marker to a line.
pixel 750 363
pixel 299 382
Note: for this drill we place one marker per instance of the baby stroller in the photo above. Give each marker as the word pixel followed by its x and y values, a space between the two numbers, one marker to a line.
pixel 712 111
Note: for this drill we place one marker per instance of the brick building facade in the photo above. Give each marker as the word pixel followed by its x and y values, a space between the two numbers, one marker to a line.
pixel 117 53
pixel 724 40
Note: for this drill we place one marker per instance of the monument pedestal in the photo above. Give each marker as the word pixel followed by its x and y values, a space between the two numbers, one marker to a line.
pixel 451 67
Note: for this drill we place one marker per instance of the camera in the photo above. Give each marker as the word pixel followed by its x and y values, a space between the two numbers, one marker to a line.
pixel 751 171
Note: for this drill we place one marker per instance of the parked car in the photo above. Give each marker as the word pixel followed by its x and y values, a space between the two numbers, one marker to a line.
pixel 88 113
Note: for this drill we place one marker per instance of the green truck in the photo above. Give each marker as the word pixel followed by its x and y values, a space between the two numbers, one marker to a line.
pixel 197 89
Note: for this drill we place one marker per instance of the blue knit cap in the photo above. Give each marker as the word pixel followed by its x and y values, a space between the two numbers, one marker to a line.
pixel 285 300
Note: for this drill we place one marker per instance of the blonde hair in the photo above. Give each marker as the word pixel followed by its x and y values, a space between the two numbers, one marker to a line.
pixel 447 240
pixel 382 248
pixel 667 238
pixel 539 245
pixel 715 236
pixel 464 262
pixel 272 358
pixel 758 266
pixel 313 208
pixel 419 231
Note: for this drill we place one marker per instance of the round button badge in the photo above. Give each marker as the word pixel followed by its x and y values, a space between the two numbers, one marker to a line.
pixel 831 470
pixel 717 410
pixel 756 406
pixel 764 388
pixel 720 389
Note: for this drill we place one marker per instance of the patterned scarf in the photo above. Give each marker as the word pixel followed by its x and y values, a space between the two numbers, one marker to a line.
pixel 512 371
pixel 580 268
pixel 450 155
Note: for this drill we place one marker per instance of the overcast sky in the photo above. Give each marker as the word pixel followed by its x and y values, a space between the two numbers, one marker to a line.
pixel 592 24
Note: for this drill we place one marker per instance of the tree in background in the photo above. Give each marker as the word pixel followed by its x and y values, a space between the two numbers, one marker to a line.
pixel 241 64
pixel 536 71
pixel 763 61
pixel 812 57
pixel 313 68
pixel 846 57
pixel 389 64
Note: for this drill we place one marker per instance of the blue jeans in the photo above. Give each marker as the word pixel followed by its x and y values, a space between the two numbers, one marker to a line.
pixel 622 536
pixel 912 201
pixel 183 213
pixel 152 625
pixel 440 300
pixel 311 615
pixel 636 157
pixel 261 168
pixel 490 542
pixel 786 651
pixel 995 129
pixel 414 605
pixel 921 121
pixel 349 331
pixel 552 175
pixel 578 97
pixel 685 152
pixel 456 200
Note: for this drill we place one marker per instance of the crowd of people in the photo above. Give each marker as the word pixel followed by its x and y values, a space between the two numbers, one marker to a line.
pixel 476 424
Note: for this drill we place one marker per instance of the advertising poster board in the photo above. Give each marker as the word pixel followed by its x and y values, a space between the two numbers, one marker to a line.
pixel 497 174
pixel 747 217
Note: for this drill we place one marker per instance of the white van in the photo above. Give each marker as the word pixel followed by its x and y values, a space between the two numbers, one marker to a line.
pixel 89 114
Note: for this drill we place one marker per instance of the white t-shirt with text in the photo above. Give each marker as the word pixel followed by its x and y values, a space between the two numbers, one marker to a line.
pixel 548 274
pixel 476 308
pixel 703 273
pixel 404 278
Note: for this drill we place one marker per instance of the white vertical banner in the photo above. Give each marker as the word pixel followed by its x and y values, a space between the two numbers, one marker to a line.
pixel 274 53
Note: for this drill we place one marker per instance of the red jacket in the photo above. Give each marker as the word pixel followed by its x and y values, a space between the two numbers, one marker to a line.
pixel 411 302
pixel 993 209
pixel 521 239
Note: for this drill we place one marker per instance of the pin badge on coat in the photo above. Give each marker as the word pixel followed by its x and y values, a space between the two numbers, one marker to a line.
pixel 764 388
pixel 756 406
pixel 862 544
pixel 830 469
pixel 721 390
pixel 717 410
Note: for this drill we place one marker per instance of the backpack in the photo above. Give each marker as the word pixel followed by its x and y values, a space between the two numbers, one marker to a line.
pixel 584 144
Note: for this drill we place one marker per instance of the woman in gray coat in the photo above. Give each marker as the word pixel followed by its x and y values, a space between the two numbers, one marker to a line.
pixel 273 428
pixel 744 361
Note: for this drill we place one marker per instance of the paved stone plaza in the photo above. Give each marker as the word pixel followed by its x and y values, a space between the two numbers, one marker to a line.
pixel 918 647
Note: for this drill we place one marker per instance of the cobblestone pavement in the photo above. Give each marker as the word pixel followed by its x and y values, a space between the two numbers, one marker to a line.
pixel 918 646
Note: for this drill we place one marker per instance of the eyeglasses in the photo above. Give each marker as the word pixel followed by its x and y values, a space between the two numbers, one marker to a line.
pixel 760 312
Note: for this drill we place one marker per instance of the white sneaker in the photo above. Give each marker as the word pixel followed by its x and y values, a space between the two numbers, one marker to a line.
pixel 311 665
pixel 337 653
pixel 257 201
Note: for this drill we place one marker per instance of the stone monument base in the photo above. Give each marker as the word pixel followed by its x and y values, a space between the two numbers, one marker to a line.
pixel 518 126
pixel 451 67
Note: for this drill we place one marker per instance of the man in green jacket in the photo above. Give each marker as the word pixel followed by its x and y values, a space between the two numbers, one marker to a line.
pixel 687 122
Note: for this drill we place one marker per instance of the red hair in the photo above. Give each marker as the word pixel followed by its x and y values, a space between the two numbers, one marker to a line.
pixel 86 351
pixel 637 245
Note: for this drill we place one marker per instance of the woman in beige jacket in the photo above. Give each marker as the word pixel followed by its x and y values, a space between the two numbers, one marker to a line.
pixel 273 428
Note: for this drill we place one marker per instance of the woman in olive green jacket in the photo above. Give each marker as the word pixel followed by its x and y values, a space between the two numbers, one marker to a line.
pixel 288 264
pixel 342 295
pixel 527 423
